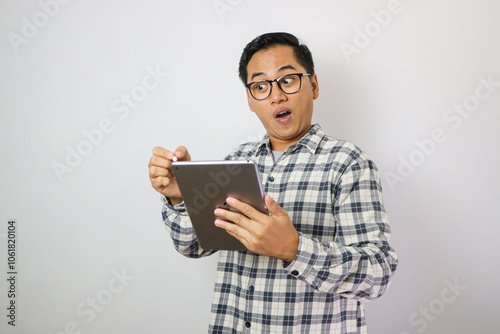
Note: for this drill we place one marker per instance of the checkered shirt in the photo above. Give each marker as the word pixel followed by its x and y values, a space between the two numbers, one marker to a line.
pixel 332 194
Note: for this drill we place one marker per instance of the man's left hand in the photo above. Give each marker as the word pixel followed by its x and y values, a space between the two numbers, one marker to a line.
pixel 262 234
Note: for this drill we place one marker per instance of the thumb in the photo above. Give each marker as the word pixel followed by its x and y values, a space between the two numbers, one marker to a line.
pixel 273 206
pixel 182 153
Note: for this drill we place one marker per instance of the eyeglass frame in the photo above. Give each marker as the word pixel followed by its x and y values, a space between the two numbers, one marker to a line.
pixel 300 75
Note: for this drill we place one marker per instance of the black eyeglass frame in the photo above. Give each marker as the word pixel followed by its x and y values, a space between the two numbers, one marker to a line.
pixel 300 75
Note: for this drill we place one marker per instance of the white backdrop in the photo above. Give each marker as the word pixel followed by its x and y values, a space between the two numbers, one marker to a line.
pixel 88 88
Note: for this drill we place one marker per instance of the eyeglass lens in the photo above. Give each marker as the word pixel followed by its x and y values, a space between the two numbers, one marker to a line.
pixel 289 84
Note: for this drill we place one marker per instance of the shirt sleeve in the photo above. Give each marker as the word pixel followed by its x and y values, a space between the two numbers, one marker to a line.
pixel 178 224
pixel 358 263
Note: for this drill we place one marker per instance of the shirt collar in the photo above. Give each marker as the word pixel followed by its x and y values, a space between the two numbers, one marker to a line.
pixel 311 140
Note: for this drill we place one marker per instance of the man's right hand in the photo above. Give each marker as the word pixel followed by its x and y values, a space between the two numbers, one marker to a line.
pixel 160 172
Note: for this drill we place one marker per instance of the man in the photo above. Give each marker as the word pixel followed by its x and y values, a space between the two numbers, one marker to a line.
pixel 324 248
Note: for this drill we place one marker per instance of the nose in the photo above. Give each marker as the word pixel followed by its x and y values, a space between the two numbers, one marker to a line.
pixel 277 94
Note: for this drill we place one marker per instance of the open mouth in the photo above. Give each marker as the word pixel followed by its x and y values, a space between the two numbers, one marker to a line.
pixel 283 114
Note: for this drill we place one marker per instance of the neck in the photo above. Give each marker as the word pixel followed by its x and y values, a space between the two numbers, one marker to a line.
pixel 278 144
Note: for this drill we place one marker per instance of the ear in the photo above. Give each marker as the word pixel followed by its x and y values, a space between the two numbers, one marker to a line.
pixel 250 101
pixel 315 86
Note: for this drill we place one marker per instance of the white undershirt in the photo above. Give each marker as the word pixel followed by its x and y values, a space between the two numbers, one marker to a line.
pixel 277 155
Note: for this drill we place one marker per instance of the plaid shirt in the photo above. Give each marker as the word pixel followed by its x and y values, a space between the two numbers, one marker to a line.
pixel 332 194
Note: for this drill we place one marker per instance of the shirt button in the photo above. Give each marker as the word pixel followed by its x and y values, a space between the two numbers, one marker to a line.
pixel 271 179
pixel 247 324
pixel 251 288
pixel 295 273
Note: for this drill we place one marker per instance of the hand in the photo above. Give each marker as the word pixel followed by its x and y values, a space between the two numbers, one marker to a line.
pixel 262 234
pixel 160 172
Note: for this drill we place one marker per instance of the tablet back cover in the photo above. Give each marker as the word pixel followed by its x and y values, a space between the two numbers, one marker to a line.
pixel 205 185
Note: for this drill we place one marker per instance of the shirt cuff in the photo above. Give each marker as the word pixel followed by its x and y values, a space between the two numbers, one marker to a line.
pixel 179 208
pixel 311 254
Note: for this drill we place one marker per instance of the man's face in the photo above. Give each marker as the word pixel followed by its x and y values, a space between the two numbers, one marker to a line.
pixel 286 117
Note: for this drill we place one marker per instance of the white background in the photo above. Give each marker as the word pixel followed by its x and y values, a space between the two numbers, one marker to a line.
pixel 100 219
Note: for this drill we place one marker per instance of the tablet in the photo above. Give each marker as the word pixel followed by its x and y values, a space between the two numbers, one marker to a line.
pixel 205 185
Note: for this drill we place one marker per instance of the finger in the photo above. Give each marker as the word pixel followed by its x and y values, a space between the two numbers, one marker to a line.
pixel 246 209
pixel 161 182
pixel 182 153
pixel 233 229
pixel 155 172
pixel 158 161
pixel 273 206
pixel 161 152
pixel 234 217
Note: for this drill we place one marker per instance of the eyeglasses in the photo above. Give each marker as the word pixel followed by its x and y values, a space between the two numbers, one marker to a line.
pixel 288 83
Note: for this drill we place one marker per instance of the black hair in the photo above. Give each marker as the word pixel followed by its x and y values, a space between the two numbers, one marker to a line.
pixel 266 41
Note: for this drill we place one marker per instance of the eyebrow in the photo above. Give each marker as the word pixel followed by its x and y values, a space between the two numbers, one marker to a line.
pixel 281 69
